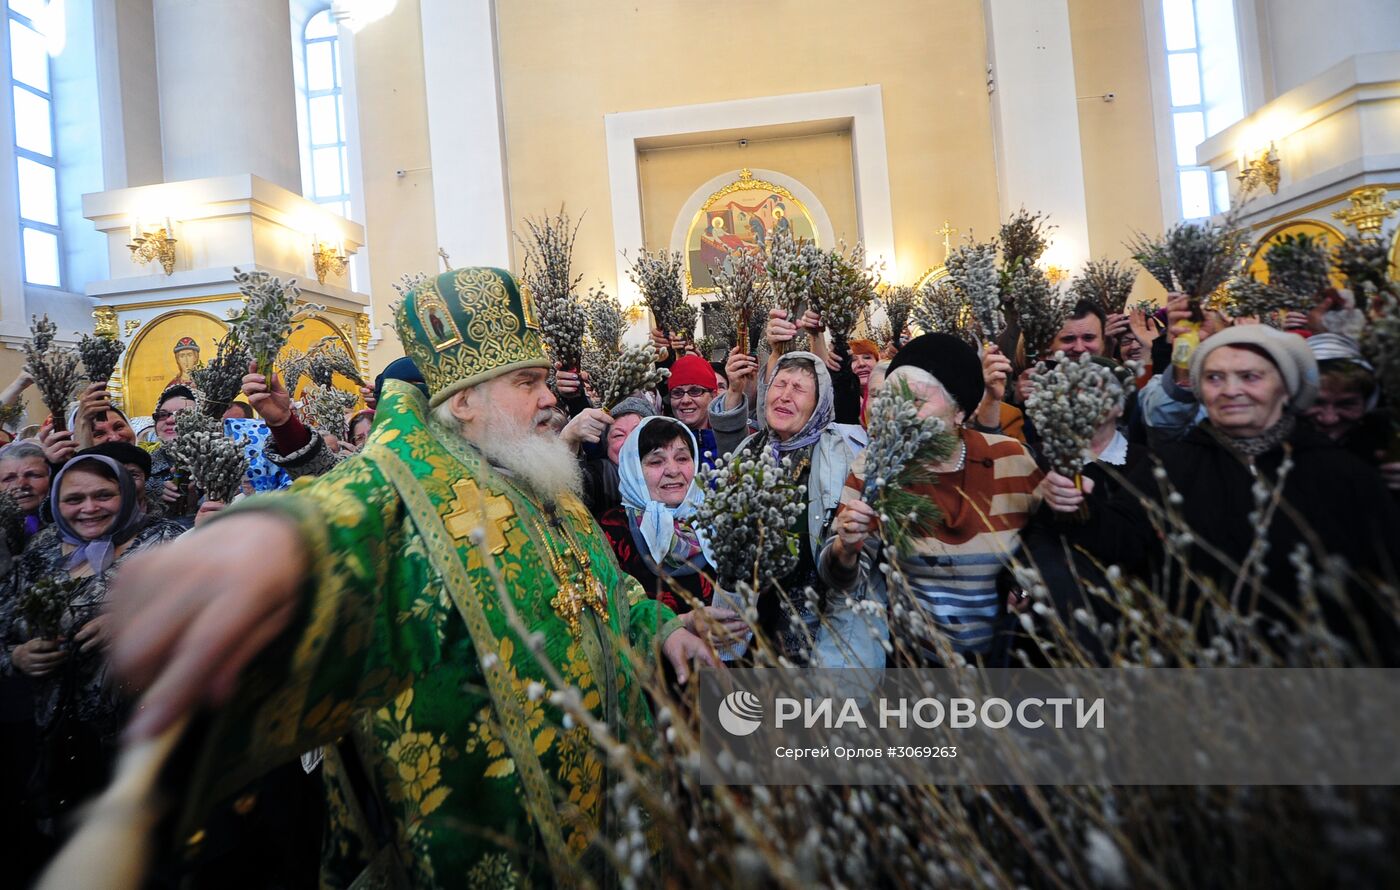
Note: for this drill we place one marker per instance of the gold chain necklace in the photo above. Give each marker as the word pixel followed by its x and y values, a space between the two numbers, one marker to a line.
pixel 578 588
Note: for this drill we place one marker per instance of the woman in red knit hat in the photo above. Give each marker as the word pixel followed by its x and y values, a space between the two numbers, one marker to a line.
pixel 692 386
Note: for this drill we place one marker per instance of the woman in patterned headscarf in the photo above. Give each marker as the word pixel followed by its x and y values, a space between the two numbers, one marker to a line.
pixel 798 410
pixel 98 523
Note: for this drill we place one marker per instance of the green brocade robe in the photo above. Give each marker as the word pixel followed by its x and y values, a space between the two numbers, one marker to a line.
pixel 427 679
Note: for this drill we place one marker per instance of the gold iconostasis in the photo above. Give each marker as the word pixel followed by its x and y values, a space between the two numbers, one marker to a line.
pixel 163 351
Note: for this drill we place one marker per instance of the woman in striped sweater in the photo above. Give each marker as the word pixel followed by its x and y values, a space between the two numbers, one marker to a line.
pixel 950 593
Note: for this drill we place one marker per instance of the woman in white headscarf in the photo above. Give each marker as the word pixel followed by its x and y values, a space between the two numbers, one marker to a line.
pixel 652 532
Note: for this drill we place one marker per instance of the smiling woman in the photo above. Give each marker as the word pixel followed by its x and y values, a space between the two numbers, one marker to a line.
pixel 90 500
pixel 651 533
pixel 98 524
pixel 798 410
pixel 1224 478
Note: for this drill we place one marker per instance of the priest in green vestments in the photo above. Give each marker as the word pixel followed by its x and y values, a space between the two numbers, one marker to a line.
pixel 395 613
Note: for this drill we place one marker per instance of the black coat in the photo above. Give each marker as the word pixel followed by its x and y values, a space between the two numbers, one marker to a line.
pixel 1328 492
pixel 1048 543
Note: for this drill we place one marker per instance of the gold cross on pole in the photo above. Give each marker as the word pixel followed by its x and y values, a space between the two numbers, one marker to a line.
pixel 446 263
pixel 947 232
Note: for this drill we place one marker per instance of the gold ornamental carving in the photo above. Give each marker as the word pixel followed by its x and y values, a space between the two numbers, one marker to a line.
pixel 105 322
pixel 746 182
pixel 933 274
pixel 131 326
pixel 362 332
pixel 1368 211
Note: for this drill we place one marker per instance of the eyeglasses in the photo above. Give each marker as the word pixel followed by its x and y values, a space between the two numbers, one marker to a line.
pixel 690 392
pixel 165 415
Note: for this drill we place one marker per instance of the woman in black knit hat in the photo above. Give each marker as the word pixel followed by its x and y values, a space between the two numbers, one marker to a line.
pixel 986 491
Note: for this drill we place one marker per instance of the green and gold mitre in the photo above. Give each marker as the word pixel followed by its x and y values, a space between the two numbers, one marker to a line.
pixel 466 326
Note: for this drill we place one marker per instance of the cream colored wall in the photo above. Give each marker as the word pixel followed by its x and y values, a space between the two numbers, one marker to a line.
pixel 11 363
pixel 822 162
pixel 1118 138
pixel 566 63
pixel 399 224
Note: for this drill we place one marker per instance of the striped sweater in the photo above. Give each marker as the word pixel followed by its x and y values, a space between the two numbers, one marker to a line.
pixel 952 574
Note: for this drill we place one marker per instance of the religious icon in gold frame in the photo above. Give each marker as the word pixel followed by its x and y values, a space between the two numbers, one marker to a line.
pixel 436 319
pixel 163 352
pixel 1324 232
pixel 742 215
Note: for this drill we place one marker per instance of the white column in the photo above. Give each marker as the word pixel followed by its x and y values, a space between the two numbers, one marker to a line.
pixel 1035 120
pixel 227 99
pixel 466 134
pixel 128 92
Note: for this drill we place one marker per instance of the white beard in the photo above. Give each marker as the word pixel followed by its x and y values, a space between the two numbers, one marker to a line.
pixel 533 456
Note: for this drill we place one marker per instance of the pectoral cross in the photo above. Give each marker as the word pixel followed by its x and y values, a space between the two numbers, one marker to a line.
pixel 576 596
pixel 947 232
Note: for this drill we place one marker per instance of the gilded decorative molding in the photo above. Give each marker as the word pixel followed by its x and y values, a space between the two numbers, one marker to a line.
pixel 933 274
pixel 746 182
pixel 178 301
pixel 362 332
pixel 130 327
pixel 105 322
pixel 1368 211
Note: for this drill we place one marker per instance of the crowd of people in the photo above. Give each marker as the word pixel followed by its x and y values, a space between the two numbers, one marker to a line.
pixel 1266 448
pixel 91 495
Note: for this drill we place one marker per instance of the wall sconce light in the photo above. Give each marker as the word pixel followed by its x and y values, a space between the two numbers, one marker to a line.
pixel 326 258
pixel 1056 274
pixel 1263 170
pixel 153 243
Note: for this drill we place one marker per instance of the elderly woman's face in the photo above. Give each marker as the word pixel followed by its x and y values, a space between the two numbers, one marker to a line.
pixel 89 503
pixel 668 471
pixel 933 401
pixel 1243 391
pixel 618 433
pixel 792 397
pixel 27 479
pixel 1338 409
pixel 113 429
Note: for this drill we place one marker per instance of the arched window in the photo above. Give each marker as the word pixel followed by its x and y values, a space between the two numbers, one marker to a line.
pixel 1207 95
pixel 36 155
pixel 329 180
